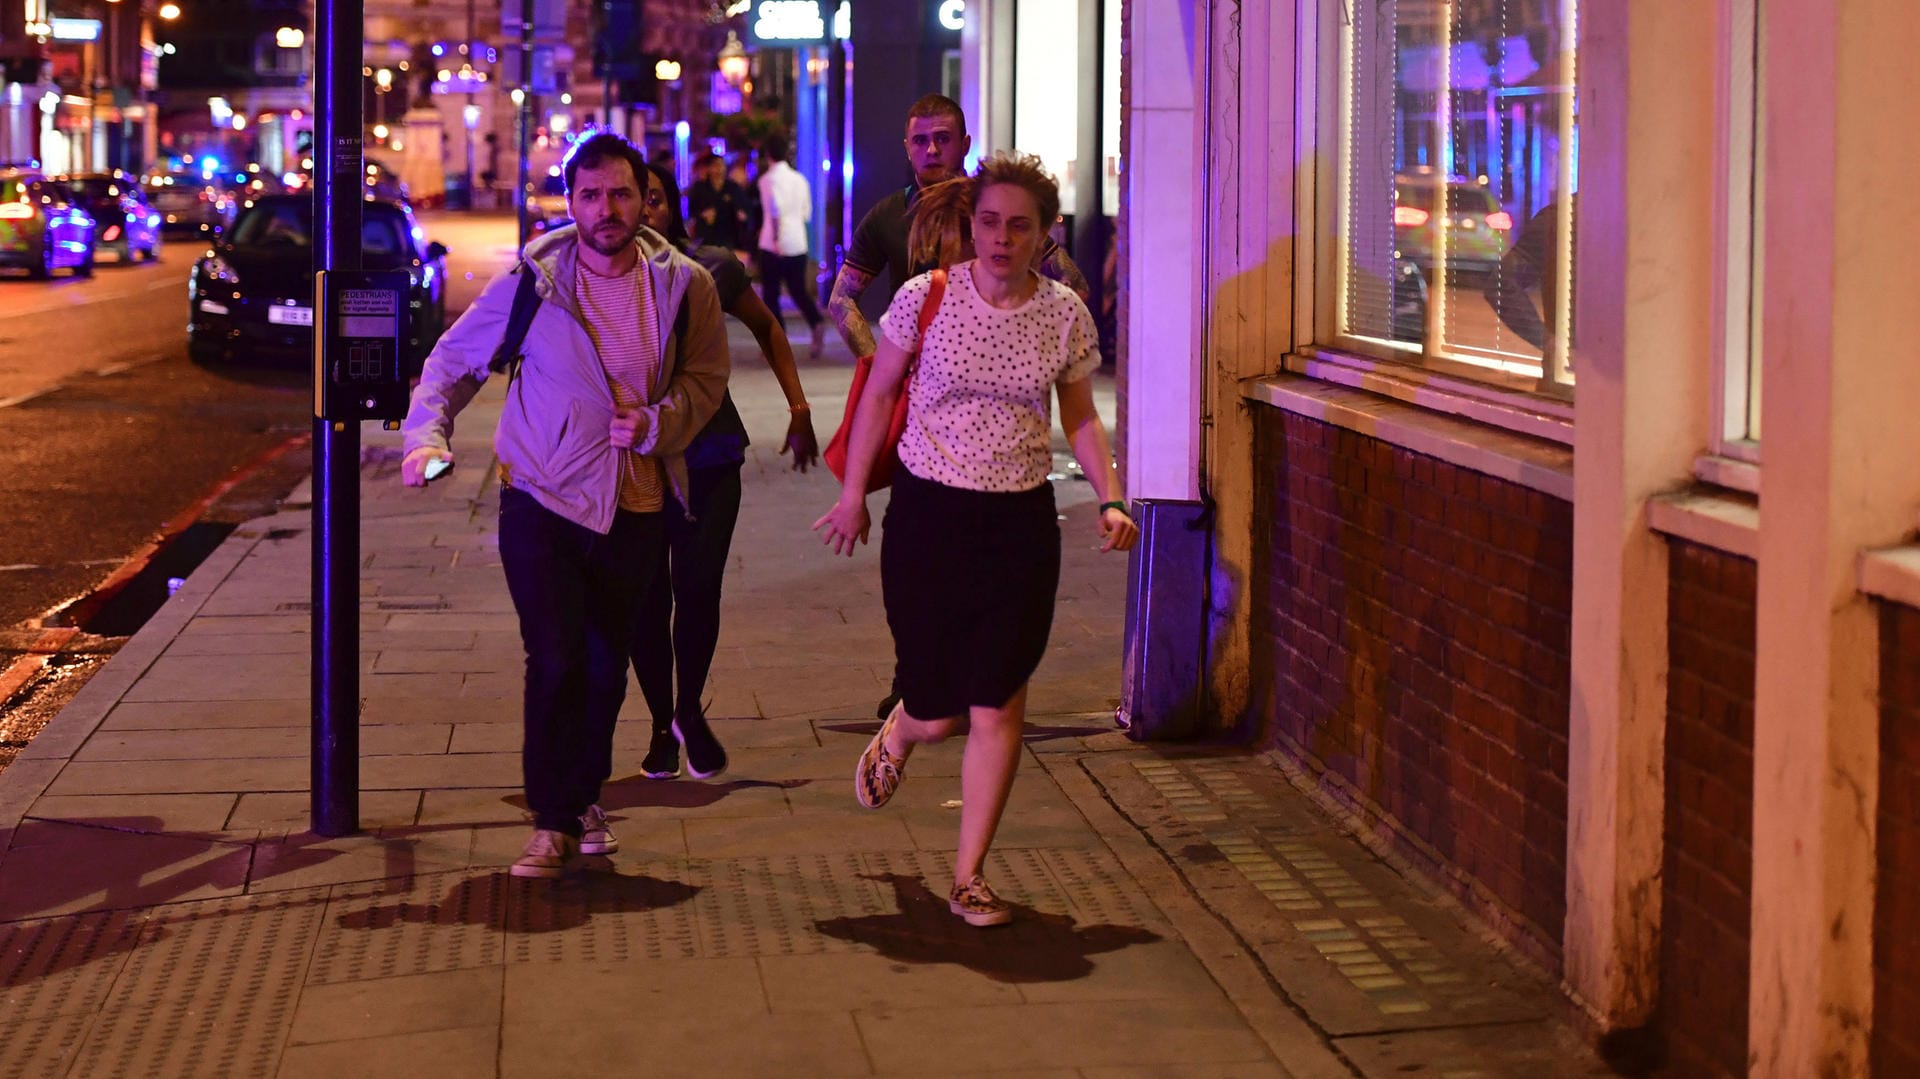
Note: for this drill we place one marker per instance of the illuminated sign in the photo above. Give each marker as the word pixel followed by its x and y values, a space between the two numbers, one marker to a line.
pixel 953 14
pixel 76 29
pixel 789 22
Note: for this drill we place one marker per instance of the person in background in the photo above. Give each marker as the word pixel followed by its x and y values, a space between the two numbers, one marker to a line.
pixel 787 205
pixel 713 205
pixel 624 362
pixel 678 625
pixel 748 236
pixel 970 559
pixel 937 146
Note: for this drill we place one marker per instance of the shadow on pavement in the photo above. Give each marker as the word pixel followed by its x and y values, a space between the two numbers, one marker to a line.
pixel 1036 947
pixel 639 792
pixel 531 906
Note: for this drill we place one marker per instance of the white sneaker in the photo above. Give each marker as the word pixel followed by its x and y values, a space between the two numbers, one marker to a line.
pixel 548 855
pixel 596 836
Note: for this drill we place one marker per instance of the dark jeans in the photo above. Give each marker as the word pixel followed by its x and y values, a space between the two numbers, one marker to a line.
pixel 792 271
pixel 575 591
pixel 678 625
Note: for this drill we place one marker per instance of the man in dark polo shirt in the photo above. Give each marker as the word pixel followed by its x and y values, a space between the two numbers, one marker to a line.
pixel 937 145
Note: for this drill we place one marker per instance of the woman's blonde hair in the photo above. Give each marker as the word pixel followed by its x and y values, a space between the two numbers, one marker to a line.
pixel 941 231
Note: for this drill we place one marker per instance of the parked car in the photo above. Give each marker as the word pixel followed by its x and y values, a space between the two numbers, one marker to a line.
pixel 191 204
pixel 124 221
pixel 547 203
pixel 252 294
pixel 43 228
pixel 1478 230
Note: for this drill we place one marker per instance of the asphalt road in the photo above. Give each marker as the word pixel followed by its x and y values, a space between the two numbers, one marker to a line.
pixel 109 435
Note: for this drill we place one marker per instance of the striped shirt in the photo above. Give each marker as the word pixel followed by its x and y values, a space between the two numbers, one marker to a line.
pixel 620 319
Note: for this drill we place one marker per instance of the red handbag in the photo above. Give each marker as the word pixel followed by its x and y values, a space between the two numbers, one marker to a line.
pixel 881 475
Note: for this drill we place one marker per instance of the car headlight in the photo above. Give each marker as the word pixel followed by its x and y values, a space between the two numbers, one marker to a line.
pixel 219 269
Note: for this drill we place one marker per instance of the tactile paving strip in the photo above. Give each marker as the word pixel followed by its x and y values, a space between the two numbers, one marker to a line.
pixel 208 990
pixel 439 922
pixel 1186 799
pixel 772 906
pixel 602 918
pixel 42 1049
pixel 1391 974
pixel 62 966
pixel 1401 972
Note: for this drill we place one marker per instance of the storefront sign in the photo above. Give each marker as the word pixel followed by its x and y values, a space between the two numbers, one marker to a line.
pixel 76 29
pixel 794 22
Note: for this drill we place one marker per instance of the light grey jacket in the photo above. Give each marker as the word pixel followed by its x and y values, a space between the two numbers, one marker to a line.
pixel 552 439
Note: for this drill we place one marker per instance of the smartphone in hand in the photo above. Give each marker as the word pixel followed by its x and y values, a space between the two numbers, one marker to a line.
pixel 437 468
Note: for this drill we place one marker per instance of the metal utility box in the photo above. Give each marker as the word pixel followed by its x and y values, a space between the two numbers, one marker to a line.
pixel 1162 674
pixel 360 342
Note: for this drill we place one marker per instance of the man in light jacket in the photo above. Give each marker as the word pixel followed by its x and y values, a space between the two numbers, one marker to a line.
pixel 786 204
pixel 625 360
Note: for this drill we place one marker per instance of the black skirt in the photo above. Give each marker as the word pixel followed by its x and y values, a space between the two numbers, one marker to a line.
pixel 969 579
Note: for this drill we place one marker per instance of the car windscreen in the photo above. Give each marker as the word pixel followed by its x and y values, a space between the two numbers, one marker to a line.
pixel 289 224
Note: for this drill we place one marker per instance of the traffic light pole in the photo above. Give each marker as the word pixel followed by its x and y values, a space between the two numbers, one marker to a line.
pixel 338 178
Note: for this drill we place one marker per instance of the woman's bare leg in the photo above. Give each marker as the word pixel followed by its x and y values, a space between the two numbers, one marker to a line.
pixel 986 777
pixel 908 732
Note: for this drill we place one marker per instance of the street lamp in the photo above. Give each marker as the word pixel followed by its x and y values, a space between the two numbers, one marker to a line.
pixel 734 62
pixel 289 37
pixel 169 11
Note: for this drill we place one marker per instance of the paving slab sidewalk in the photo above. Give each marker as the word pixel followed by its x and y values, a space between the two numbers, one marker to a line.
pixel 1183 911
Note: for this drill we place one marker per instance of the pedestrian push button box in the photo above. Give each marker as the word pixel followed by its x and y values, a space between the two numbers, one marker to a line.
pixel 360 372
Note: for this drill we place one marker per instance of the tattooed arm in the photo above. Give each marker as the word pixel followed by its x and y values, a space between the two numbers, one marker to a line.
pixel 1059 265
pixel 844 308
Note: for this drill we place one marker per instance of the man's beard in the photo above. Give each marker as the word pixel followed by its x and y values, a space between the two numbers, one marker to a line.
pixel 599 237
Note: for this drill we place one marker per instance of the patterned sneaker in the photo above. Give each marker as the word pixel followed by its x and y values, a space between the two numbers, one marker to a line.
pixel 596 836
pixel 663 756
pixel 548 855
pixel 706 757
pixel 976 904
pixel 877 775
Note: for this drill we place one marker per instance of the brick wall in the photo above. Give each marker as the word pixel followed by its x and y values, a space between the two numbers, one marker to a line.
pixel 1411 629
pixel 1896 930
pixel 1707 876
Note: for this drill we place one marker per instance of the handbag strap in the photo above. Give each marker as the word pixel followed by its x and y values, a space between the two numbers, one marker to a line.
pixel 929 310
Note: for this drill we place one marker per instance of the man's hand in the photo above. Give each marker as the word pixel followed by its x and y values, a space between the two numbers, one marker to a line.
pixel 624 431
pixel 1118 531
pixel 707 214
pixel 413 467
pixel 801 441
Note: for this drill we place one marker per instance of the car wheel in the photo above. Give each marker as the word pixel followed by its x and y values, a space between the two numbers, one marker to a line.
pixel 203 352
pixel 85 269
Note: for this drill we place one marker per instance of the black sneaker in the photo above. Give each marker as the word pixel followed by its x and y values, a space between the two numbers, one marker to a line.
pixel 706 757
pixel 885 708
pixel 663 757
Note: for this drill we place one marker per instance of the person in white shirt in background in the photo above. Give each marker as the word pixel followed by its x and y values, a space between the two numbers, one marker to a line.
pixel 787 207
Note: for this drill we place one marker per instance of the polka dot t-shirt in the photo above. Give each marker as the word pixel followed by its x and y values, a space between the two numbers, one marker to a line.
pixel 980 405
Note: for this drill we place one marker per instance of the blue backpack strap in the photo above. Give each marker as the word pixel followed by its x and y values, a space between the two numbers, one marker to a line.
pixel 526 300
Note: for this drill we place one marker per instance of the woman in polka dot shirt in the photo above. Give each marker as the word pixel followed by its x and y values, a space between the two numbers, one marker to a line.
pixel 970 558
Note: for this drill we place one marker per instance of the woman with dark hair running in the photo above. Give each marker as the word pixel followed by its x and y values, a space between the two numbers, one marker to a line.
pixel 970 559
pixel 679 622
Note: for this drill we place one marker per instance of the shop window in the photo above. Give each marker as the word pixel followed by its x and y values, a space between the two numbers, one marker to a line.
pixel 1455 199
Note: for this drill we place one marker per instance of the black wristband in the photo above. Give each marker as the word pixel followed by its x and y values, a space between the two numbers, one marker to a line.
pixel 1121 506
